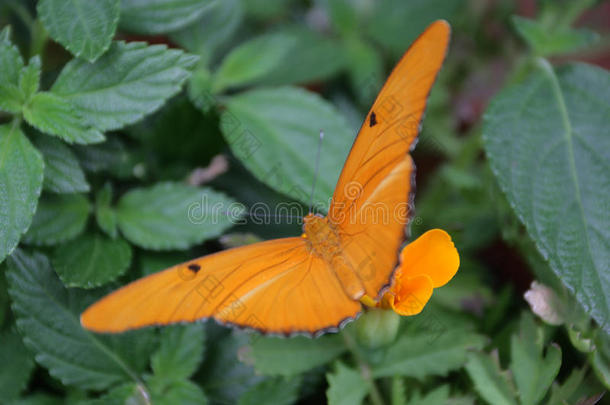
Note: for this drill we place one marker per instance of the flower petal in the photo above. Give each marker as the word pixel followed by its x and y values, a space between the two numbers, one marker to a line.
pixel 411 295
pixel 432 254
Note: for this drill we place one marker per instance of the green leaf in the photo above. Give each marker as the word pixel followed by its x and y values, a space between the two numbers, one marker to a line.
pixel 180 352
pixel 174 216
pixel 29 78
pixel 277 391
pixel 11 64
pixel 275 134
pixel 125 394
pixel 552 40
pixel 46 316
pixel 11 98
pixel 91 261
pixel 388 25
pixel 18 365
pixel 600 359
pixel 55 115
pixel 104 213
pixel 212 30
pixel 62 172
pixel 128 82
pixel 490 382
pixel 533 373
pixel 345 386
pixel 179 393
pixel 59 218
pixel 252 60
pixel 111 156
pixel 21 171
pixel 85 28
pixel 366 71
pixel 566 391
pixel 438 396
pixel 225 378
pixel 302 63
pixel 11 61
pixel 422 354
pixel 270 354
pixel 160 16
pixel 547 140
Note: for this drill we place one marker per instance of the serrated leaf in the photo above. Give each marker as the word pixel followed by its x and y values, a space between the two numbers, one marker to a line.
pixel 275 134
pixel 128 82
pixel 59 218
pixel 423 354
pixel 532 372
pixel 277 391
pixel 270 353
pixel 178 393
pixel 548 144
pixel 17 366
pixel 21 171
pixel 85 28
pixel 62 172
pixel 546 41
pixel 180 352
pixel 11 64
pixel 11 61
pixel 29 78
pixel 565 391
pixel 160 16
pixel 174 215
pixel 489 381
pixel 46 316
pixel 11 98
pixel 91 261
pixel 345 386
pixel 252 60
pixel 126 394
pixel 437 396
pixel 55 115
pixel 213 29
pixel 104 213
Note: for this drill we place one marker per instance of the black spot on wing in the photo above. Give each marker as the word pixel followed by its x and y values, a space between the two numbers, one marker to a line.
pixel 194 267
pixel 372 119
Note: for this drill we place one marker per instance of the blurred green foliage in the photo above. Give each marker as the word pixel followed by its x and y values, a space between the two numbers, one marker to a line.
pixel 113 115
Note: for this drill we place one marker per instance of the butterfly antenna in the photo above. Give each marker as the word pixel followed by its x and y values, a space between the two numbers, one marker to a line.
pixel 315 177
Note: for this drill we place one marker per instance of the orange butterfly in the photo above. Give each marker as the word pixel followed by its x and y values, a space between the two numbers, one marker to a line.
pixel 313 283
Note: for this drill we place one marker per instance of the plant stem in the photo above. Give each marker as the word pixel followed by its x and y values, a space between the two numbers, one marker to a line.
pixel 365 369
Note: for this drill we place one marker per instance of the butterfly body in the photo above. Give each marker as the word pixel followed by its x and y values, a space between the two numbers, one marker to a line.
pixel 310 284
pixel 324 241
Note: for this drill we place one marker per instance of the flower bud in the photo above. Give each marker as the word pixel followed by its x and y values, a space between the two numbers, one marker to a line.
pixel 377 327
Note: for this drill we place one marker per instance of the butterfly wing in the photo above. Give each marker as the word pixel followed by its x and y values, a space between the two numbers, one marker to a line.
pixel 371 202
pixel 275 286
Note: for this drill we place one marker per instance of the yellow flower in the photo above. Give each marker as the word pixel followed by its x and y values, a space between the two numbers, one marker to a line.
pixel 427 263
